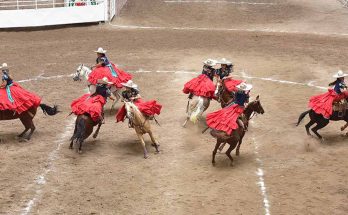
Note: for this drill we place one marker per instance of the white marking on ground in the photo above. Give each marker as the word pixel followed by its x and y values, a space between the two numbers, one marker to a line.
pixel 41 77
pixel 255 30
pixel 243 75
pixel 219 2
pixel 40 180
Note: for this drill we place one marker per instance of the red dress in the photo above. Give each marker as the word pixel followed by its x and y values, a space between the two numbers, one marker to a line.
pixel 90 105
pixel 231 84
pixel 225 119
pixel 101 72
pixel 148 108
pixel 322 104
pixel 200 86
pixel 23 100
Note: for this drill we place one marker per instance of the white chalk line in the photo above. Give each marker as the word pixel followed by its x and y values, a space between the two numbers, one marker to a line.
pixel 253 30
pixel 219 2
pixel 40 180
pixel 260 173
pixel 309 84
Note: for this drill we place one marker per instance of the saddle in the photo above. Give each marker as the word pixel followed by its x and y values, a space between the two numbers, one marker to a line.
pixel 340 107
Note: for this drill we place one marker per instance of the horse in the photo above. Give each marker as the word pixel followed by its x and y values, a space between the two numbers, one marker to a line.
pixel 222 94
pixel 27 118
pixel 83 129
pixel 236 138
pixel 196 108
pixel 320 121
pixel 141 126
pixel 85 71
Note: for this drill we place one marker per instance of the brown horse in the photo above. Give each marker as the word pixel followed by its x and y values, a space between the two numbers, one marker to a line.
pixel 83 129
pixel 141 126
pixel 223 95
pixel 235 139
pixel 27 118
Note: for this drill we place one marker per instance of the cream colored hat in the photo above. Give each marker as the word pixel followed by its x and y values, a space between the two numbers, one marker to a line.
pixel 210 62
pixel 244 86
pixel 340 74
pixel 224 61
pixel 104 80
pixel 130 84
pixel 4 66
pixel 100 50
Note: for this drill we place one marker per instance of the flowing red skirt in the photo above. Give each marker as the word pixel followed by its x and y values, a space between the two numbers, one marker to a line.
pixel 225 119
pixel 23 99
pixel 200 86
pixel 89 105
pixel 148 108
pixel 322 104
pixel 101 72
pixel 231 84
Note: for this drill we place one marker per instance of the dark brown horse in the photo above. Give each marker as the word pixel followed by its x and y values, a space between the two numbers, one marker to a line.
pixel 83 129
pixel 320 121
pixel 27 118
pixel 223 95
pixel 236 138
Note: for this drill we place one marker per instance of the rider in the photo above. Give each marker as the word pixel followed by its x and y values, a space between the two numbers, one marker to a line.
pixel 228 118
pixel 101 60
pixel 131 94
pixel 225 70
pixel 203 84
pixel 322 104
pixel 12 96
pixel 93 104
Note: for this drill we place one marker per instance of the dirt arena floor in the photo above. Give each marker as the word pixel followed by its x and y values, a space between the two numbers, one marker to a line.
pixel 286 49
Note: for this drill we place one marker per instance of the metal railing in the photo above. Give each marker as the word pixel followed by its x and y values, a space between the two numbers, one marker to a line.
pixel 37 4
pixel 344 2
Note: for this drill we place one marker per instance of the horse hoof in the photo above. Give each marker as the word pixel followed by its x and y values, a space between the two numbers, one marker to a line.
pixel 21 140
pixel 95 136
pixel 213 163
pixel 237 153
pixel 79 151
pixel 146 156
pixel 154 145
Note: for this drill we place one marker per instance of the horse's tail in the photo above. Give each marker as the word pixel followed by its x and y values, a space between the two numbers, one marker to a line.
pixel 302 116
pixel 80 129
pixel 47 110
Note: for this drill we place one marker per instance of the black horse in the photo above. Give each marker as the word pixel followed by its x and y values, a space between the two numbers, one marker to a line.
pixel 320 121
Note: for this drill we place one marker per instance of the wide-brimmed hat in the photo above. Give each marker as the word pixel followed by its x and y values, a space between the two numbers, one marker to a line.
pixel 100 50
pixel 244 86
pixel 225 62
pixel 210 62
pixel 130 84
pixel 4 66
pixel 104 80
pixel 340 74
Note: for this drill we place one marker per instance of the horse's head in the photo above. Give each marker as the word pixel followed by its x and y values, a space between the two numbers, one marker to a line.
pixel 77 75
pixel 256 106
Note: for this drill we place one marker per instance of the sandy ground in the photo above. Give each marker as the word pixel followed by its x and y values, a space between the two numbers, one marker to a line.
pixel 301 174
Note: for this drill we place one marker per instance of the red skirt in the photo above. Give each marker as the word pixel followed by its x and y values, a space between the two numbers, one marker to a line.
pixel 148 108
pixel 23 100
pixel 225 119
pixel 200 86
pixel 101 72
pixel 231 84
pixel 89 105
pixel 322 104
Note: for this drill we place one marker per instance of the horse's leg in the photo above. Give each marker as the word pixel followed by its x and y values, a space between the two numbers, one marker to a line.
pixel 32 129
pixel 80 145
pixel 240 143
pixel 154 141
pixel 118 97
pixel 73 136
pixel 344 127
pixel 228 152
pixel 184 125
pixel 97 131
pixel 319 126
pixel 222 147
pixel 218 143
pixel 142 141
pixel 24 121
pixel 308 125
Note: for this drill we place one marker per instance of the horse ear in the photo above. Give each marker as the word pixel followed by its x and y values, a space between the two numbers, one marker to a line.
pixel 258 97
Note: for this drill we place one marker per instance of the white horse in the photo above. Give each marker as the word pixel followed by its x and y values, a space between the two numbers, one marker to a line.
pixel 85 71
pixel 195 108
